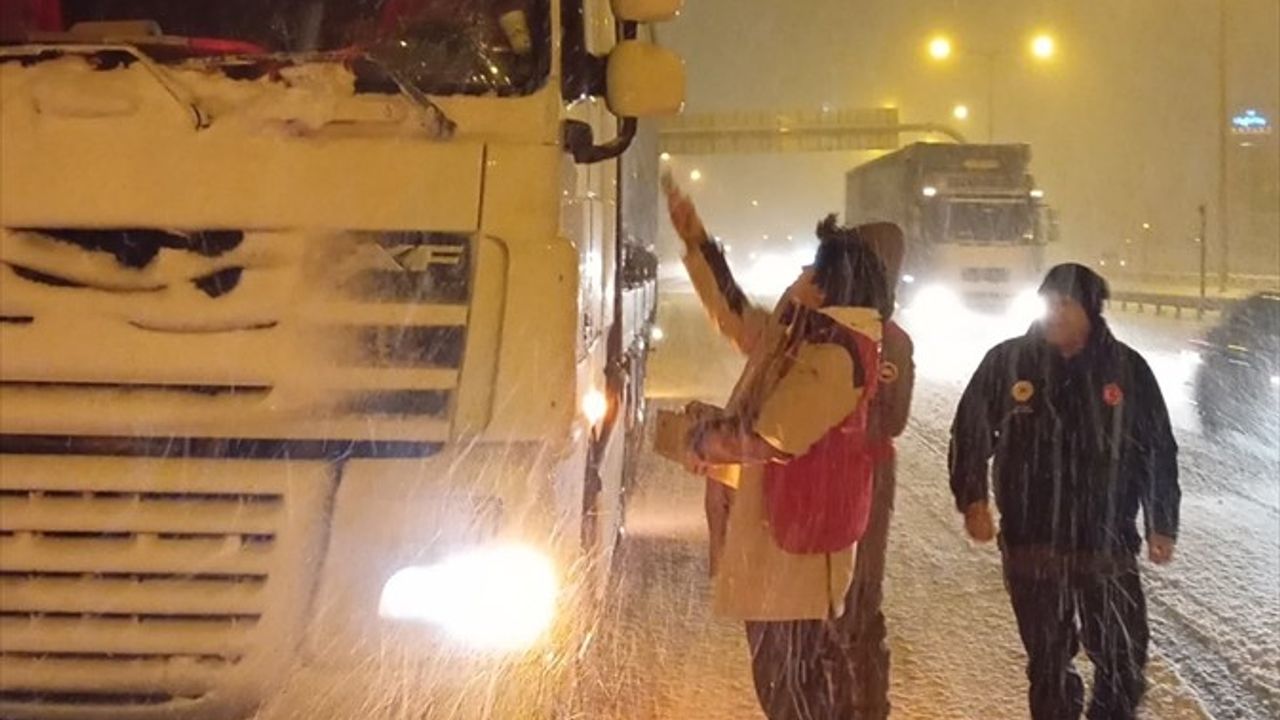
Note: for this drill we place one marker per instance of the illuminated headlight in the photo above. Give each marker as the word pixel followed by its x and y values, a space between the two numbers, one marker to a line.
pixel 929 191
pixel 491 598
pixel 595 406
pixel 1027 307
pixel 935 300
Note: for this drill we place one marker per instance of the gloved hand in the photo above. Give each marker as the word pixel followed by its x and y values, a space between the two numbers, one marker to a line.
pixel 978 522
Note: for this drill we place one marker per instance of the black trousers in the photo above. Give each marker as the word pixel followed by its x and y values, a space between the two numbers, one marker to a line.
pixel 1057 610
pixel 801 670
pixel 833 669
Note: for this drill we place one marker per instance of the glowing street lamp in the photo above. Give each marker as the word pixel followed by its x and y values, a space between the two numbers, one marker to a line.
pixel 695 175
pixel 1043 46
pixel 940 48
pixel 665 157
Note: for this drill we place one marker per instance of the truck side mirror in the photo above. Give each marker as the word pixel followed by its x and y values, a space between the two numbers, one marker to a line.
pixel 644 80
pixel 646 11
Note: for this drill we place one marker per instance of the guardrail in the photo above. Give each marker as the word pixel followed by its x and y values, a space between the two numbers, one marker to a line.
pixel 1159 302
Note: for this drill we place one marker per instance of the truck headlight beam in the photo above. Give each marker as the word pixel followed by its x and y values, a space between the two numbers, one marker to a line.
pixel 494 598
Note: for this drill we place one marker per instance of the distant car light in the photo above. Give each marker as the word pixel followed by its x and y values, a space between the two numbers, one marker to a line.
pixel 500 598
pixel 929 191
pixel 1037 194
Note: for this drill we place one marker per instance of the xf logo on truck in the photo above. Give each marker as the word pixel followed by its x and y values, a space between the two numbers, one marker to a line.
pixel 413 267
pixel 420 258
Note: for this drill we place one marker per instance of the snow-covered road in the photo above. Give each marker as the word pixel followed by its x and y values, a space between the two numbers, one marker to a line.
pixel 1216 612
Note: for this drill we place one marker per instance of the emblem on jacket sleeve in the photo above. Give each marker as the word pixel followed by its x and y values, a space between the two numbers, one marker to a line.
pixel 1022 391
pixel 1112 394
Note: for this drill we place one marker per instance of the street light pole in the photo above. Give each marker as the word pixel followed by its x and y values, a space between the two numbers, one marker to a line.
pixel 1224 199
pixel 940 49
pixel 991 96
pixel 1203 242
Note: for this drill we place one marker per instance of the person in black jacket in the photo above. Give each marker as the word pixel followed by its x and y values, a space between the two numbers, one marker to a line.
pixel 1080 438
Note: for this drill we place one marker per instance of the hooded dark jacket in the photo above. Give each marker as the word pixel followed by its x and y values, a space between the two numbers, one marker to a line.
pixel 1079 444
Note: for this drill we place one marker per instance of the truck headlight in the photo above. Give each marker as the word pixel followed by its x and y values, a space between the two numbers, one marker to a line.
pixel 499 597
pixel 936 303
pixel 1027 307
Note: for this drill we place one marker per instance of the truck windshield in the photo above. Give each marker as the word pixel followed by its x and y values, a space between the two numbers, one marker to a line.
pixel 439 46
pixel 969 221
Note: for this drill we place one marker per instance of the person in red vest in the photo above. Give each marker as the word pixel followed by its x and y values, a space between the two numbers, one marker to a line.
pixel 808 372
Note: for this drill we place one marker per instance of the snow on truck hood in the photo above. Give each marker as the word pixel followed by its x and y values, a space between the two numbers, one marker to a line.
pixel 103 136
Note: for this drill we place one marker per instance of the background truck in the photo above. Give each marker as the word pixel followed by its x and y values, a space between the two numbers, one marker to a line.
pixel 975 222
pixel 322 335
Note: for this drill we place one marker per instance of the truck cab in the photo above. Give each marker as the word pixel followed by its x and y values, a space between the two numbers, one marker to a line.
pixel 323 330
pixel 974 219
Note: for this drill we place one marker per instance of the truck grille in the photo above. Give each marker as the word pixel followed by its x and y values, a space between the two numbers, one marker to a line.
pixel 144 581
pixel 985 274
pixel 279 336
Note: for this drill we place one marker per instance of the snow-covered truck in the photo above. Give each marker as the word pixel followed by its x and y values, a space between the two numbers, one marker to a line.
pixel 322 335
pixel 975 222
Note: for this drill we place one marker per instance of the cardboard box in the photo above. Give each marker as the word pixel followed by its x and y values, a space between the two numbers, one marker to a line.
pixel 670 432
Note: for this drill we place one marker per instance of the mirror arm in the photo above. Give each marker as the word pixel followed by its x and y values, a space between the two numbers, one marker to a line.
pixel 580 141
pixel 586 77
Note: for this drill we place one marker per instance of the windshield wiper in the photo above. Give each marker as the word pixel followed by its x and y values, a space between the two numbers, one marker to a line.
pixel 444 127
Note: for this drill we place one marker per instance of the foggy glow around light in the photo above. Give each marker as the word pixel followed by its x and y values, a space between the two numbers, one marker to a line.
pixel 1275 381
pixel 665 157
pixel 490 598
pixel 935 304
pixel 594 406
pixel 1027 308
pixel 929 191
pixel 908 279
pixel 960 112
pixel 656 334
pixel 940 48
pixel 771 273
pixel 1043 46
pixel 1038 194
pixel 695 175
